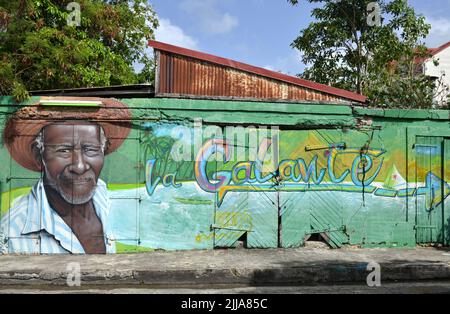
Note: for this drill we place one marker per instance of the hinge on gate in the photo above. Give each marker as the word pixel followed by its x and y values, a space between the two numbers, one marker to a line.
pixel 327 230
pixel 424 227
pixel 425 145
pixel 339 146
pixel 214 227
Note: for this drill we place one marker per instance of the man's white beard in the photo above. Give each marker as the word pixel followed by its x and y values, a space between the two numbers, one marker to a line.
pixel 69 198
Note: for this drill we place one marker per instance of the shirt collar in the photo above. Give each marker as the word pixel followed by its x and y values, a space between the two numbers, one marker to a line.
pixel 41 216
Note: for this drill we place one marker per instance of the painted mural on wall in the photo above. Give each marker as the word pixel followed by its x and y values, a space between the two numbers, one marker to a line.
pixel 110 184
pixel 67 209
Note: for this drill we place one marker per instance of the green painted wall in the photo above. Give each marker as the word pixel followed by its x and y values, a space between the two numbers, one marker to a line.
pixel 359 176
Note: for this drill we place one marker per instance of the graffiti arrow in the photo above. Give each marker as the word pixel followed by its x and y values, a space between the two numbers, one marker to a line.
pixel 436 191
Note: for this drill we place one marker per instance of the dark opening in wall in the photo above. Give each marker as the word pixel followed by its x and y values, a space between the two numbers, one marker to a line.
pixel 316 240
pixel 241 243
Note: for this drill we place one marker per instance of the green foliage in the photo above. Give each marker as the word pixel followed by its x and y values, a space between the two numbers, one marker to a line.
pixel 160 148
pixel 39 50
pixel 341 49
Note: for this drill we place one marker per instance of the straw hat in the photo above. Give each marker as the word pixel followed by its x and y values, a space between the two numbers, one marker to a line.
pixel 24 125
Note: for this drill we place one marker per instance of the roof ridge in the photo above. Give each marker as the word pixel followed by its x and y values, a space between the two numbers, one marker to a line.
pixel 435 51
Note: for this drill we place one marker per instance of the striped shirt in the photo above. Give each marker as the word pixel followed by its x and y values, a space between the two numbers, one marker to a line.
pixel 33 227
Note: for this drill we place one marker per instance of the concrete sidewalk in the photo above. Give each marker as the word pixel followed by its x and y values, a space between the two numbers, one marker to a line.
pixel 302 266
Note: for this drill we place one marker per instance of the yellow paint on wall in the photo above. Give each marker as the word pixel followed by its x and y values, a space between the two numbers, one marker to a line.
pixel 218 236
pixel 8 197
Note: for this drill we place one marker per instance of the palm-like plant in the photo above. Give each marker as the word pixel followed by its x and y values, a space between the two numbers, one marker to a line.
pixel 159 148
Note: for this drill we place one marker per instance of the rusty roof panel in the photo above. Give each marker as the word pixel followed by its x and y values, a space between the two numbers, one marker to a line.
pixel 184 72
pixel 181 75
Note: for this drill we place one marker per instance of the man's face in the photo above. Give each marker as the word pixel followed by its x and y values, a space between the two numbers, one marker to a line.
pixel 73 159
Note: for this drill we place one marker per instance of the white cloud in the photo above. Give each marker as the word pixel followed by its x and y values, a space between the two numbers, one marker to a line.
pixel 439 33
pixel 224 25
pixel 209 17
pixel 170 34
pixel 290 64
pixel 174 35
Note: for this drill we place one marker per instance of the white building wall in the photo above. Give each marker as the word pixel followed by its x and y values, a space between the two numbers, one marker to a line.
pixel 441 73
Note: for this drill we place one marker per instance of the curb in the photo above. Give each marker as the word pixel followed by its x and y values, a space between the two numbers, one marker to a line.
pixel 300 275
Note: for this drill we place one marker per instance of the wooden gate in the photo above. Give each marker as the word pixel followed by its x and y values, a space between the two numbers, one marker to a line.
pixel 432 174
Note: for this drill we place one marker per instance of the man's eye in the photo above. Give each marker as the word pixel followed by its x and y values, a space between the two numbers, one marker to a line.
pixel 63 150
pixel 92 150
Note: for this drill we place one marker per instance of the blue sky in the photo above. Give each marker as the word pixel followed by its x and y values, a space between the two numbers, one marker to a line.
pixel 259 32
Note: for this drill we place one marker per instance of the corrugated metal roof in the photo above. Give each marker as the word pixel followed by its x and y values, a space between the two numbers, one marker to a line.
pixel 183 71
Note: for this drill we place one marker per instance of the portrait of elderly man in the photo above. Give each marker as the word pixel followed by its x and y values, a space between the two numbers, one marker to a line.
pixel 67 209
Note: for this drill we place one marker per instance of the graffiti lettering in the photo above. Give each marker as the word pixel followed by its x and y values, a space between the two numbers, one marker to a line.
pixel 211 147
pixel 296 174
pixel 331 174
pixel 167 180
pixel 289 170
pixel 362 165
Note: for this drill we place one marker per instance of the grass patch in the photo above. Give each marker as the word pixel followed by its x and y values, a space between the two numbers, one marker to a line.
pixel 128 186
pixel 122 248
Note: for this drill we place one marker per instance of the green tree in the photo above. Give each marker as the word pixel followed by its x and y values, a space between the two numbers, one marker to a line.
pixel 343 48
pixel 39 49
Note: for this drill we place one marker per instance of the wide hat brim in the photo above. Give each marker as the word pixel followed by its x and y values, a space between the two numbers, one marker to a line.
pixel 25 124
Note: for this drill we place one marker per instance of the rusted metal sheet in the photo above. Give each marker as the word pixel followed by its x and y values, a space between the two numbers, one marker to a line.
pixel 181 75
pixel 183 72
